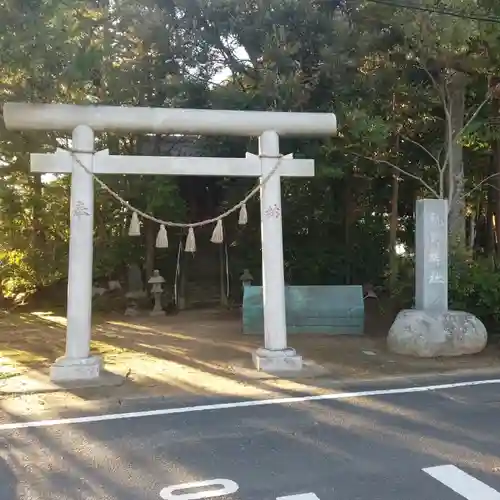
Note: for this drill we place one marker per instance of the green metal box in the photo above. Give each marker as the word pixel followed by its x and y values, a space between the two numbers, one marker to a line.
pixel 328 310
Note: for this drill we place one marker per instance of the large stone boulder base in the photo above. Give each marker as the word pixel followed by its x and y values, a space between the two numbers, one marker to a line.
pixel 428 334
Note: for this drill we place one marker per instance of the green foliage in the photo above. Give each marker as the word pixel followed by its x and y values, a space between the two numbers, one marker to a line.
pixel 403 291
pixel 474 286
pixel 370 63
pixel 17 275
pixel 23 273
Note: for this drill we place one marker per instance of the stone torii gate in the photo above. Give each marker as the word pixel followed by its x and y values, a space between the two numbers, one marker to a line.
pixel 84 120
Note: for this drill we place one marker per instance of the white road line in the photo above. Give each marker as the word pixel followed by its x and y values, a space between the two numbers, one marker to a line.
pixel 242 404
pixel 226 487
pixel 462 483
pixel 302 496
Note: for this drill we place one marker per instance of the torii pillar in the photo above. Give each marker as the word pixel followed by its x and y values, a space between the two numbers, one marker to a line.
pixel 84 121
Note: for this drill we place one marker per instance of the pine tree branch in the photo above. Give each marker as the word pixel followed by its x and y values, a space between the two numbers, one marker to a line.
pixel 479 184
pixel 398 169
pixel 423 148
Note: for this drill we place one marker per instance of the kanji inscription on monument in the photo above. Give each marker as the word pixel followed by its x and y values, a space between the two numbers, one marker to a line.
pixel 431 266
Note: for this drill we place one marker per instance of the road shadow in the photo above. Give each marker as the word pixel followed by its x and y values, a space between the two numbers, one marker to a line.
pixel 8 481
pixel 379 440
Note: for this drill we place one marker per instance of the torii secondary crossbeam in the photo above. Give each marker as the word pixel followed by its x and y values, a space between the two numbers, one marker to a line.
pixel 83 121
pixel 61 162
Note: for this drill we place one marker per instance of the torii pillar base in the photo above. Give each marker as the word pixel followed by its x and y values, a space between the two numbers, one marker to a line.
pixel 284 360
pixel 67 369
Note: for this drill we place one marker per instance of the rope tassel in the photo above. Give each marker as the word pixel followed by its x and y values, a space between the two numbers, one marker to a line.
pixel 162 240
pixel 218 234
pixel 190 241
pixel 243 218
pixel 162 237
pixel 135 225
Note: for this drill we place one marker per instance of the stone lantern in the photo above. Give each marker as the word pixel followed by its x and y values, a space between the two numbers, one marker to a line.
pixel 246 278
pixel 156 281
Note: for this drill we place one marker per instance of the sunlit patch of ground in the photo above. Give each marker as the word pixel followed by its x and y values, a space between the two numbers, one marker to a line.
pixel 204 352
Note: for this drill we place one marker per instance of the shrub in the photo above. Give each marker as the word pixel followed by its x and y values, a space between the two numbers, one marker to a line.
pixel 473 286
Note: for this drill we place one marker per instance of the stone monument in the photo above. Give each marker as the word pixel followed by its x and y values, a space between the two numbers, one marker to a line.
pixel 430 329
pixel 156 281
pixel 135 289
pixel 246 279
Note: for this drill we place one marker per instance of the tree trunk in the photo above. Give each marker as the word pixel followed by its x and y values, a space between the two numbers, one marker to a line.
pixel 183 282
pixel 393 234
pixel 489 226
pixel 456 87
pixel 472 231
pixel 38 238
pixel 495 170
pixel 393 227
pixel 349 219
pixel 222 274
pixel 149 264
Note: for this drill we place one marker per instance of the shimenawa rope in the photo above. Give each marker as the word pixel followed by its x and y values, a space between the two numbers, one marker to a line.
pixel 162 238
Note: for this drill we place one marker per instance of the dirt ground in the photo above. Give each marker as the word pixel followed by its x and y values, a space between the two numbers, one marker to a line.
pixel 203 353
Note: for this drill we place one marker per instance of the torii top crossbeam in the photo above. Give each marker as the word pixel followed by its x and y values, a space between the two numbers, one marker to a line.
pixel 66 117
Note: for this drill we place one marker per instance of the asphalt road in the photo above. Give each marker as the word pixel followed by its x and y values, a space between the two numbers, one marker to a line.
pixel 439 445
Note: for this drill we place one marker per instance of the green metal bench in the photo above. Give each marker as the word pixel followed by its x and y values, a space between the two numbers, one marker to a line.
pixel 330 310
